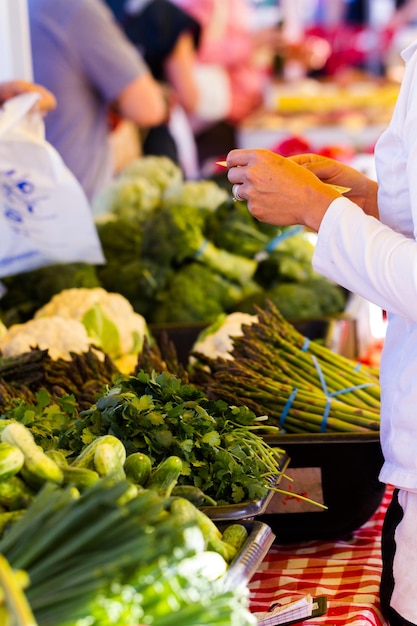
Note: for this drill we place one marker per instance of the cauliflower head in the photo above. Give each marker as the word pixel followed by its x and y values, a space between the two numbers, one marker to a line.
pixel 160 170
pixel 109 318
pixel 216 341
pixel 130 198
pixel 56 334
pixel 200 194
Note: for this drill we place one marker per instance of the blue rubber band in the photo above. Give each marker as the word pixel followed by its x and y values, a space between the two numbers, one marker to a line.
pixel 201 249
pixel 306 344
pixel 357 367
pixel 274 243
pixel 325 416
pixel 287 406
pixel 333 394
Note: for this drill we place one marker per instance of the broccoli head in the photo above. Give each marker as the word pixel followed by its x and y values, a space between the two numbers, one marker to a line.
pixel 295 300
pixel 125 271
pixel 289 259
pixel 233 228
pixel 195 293
pixel 176 234
pixel 331 297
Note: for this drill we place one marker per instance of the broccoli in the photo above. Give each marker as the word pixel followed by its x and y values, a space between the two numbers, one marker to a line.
pixel 290 259
pixel 233 228
pixel 125 271
pixel 29 291
pixel 196 293
pixel 294 301
pixel 331 297
pixel 175 234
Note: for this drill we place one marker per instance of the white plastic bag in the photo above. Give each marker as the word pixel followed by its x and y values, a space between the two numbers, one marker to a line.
pixel 45 217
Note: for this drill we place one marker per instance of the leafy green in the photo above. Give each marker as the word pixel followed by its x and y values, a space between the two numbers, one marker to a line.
pixel 102 330
pixel 47 419
pixel 161 416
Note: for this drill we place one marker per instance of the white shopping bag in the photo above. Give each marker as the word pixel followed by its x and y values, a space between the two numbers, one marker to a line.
pixel 45 217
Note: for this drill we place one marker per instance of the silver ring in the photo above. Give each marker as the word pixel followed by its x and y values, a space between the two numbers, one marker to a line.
pixel 236 196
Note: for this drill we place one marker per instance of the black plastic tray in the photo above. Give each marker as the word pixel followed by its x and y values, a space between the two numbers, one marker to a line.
pixel 348 465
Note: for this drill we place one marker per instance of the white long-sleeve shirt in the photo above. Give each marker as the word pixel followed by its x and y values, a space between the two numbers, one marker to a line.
pixel 378 260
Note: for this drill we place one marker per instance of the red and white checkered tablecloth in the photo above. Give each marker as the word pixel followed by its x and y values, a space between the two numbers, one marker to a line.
pixel 346 571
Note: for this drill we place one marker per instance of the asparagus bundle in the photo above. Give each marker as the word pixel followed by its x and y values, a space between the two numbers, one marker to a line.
pixel 301 385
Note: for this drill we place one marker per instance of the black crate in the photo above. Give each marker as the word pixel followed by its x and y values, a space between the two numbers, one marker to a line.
pixel 341 470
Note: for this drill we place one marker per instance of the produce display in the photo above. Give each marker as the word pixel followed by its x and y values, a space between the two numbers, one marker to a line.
pixel 101 557
pixel 301 385
pixel 180 252
pixel 129 474
pixel 111 450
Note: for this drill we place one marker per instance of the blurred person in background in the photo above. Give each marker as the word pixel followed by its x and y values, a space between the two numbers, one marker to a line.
pixel 82 56
pixel 233 69
pixel 167 37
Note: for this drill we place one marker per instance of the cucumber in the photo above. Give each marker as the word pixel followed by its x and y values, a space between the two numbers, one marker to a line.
pixel 165 476
pixel 86 456
pixel 11 460
pixel 36 461
pixel 213 537
pixel 193 494
pixel 184 513
pixel 15 494
pixel 80 477
pixel 138 468
pixel 108 460
pixel 235 535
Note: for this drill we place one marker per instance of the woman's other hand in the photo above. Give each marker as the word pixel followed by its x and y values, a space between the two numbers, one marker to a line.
pixel 14 88
pixel 363 190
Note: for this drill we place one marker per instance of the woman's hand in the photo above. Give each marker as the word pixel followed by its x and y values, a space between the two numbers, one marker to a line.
pixel 279 190
pixel 363 189
pixel 14 88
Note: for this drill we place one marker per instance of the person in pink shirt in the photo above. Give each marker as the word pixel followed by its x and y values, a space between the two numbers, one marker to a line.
pixel 228 46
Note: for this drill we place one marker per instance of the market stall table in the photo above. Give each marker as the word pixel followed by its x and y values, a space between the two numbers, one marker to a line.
pixel 323 113
pixel 347 571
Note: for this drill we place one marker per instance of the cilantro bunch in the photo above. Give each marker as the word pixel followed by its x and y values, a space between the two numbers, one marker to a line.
pixel 221 446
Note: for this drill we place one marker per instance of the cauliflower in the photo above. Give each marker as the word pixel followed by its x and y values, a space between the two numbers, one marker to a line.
pixel 160 170
pixel 200 194
pixel 56 334
pixel 130 198
pixel 108 318
pixel 216 341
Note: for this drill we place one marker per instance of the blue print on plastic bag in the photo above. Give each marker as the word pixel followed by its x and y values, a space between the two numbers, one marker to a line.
pixel 20 200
